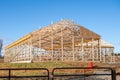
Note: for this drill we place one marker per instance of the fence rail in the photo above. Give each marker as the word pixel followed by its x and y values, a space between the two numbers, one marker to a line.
pixel 112 72
pixel 25 69
pixel 55 74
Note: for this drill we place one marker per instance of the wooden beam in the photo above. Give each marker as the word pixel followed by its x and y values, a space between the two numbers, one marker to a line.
pixel 18 41
pixel 92 49
pixel 99 50
pixel 52 41
pixel 73 48
pixel 62 43
pixel 40 45
pixel 30 45
pixel 82 50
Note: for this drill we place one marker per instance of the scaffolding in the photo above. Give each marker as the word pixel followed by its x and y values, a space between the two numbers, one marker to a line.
pixel 61 41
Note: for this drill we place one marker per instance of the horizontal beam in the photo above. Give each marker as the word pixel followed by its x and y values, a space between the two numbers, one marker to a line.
pixel 18 41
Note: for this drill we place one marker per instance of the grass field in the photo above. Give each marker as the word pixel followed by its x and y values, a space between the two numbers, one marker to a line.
pixel 48 65
pixel 34 65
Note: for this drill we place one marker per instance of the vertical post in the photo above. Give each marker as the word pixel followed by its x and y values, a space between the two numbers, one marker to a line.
pixel 73 48
pixel 5 52
pixel 110 54
pixel 114 58
pixel 99 50
pixel 25 50
pixel 17 52
pixel 62 43
pixel 40 46
pixel 48 74
pixel 106 54
pixel 113 75
pixel 104 51
pixel 82 49
pixel 87 47
pixel 22 50
pixel 9 74
pixel 92 50
pixel 30 48
pixel 52 41
pixel 111 50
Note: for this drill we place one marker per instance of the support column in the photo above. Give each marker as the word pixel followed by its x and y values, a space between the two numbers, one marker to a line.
pixel 22 51
pixel 82 50
pixel 103 51
pixel 20 46
pixel 62 43
pixel 30 49
pixel 52 42
pixel 111 51
pixel 17 52
pixel 73 46
pixel 114 58
pixel 92 50
pixel 5 55
pixel 40 46
pixel 106 55
pixel 27 49
pixel 99 50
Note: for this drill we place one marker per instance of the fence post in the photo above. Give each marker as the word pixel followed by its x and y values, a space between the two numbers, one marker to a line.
pixel 9 74
pixel 113 75
pixel 48 74
pixel 52 76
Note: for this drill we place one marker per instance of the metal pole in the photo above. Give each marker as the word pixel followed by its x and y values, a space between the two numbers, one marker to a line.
pixel 113 75
pixel 9 74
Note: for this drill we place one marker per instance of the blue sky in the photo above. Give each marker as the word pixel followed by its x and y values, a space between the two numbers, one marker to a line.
pixel 19 17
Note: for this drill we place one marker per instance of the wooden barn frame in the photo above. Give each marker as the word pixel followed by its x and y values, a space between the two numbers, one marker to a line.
pixel 61 41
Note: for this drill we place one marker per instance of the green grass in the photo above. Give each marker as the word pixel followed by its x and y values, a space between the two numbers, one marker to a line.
pixel 48 65
pixel 34 65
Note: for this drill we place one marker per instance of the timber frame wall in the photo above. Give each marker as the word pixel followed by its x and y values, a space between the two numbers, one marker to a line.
pixel 61 41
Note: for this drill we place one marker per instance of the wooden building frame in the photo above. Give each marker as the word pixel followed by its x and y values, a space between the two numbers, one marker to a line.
pixel 61 41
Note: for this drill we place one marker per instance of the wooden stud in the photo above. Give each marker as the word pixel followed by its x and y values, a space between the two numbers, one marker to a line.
pixel 92 49
pixel 73 48
pixel 62 43
pixel 52 41
pixel 82 50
